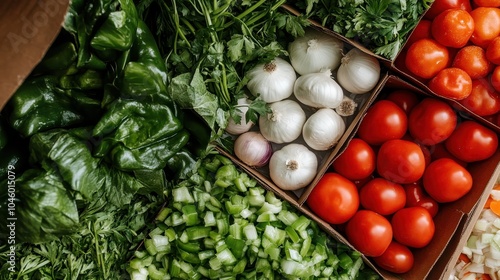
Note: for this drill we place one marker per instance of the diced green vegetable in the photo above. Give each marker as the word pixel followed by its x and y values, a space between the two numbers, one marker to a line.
pixel 271 241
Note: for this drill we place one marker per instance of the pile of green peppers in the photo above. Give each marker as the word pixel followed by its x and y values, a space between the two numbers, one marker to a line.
pixel 93 122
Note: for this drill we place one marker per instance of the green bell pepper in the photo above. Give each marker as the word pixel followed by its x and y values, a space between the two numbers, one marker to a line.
pixel 118 30
pixel 39 104
pixel 44 208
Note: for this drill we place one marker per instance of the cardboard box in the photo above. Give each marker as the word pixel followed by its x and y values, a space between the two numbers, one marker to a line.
pixel 27 29
pixel 31 27
pixel 396 66
pixel 324 157
pixel 454 220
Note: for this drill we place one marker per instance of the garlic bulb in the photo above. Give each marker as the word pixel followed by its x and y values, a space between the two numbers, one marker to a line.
pixel 253 149
pixel 284 123
pixel 358 72
pixel 273 81
pixel 243 125
pixel 318 90
pixel 323 129
pixel 315 51
pixel 293 167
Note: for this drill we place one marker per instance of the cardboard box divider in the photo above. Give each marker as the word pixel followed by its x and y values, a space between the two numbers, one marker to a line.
pixel 452 221
pixel 394 66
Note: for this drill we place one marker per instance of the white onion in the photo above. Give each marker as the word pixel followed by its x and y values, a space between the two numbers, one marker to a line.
pixel 272 81
pixel 284 123
pixel 323 129
pixel 358 72
pixel 244 125
pixel 318 90
pixel 314 51
pixel 293 166
pixel 253 149
pixel 347 107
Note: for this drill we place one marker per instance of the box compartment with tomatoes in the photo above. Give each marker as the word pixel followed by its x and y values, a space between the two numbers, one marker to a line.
pixel 463 35
pixel 452 221
pixel 454 53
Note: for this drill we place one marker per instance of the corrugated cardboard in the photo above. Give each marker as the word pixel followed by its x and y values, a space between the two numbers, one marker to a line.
pixel 395 67
pixel 456 224
pixel 454 221
pixel 27 29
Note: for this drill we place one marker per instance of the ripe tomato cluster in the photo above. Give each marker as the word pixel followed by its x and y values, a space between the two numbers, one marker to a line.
pixel 408 156
pixel 455 51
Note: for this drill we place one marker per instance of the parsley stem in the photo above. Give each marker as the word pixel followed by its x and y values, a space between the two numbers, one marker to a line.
pixel 251 9
pixel 189 26
pixel 245 13
pixel 225 91
pixel 278 4
pixel 208 20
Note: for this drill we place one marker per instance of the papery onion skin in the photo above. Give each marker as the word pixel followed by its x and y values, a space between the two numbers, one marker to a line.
pixel 318 90
pixel 272 81
pixel 293 167
pixel 323 129
pixel 358 72
pixel 314 51
pixel 253 149
pixel 284 123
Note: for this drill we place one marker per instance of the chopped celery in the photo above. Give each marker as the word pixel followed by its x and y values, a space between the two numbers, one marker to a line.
pixel 220 224
pixel 161 243
pixel 182 195
pixel 292 234
pixel 250 232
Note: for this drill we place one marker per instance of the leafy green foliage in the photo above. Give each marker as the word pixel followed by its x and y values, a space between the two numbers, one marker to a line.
pixel 209 46
pixel 104 240
pixel 380 25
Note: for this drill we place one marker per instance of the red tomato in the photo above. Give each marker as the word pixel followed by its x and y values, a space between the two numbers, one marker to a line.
pixel 453 83
pixel 472 141
pixel 416 196
pixel 405 99
pixel 487 3
pixel 383 121
pixel 426 57
pixel 334 199
pixel 438 6
pixel 439 151
pixel 472 59
pixel 382 196
pixel 493 51
pixel 369 232
pixel 413 227
pixel 432 121
pixel 421 31
pixel 486 25
pixel 452 28
pixel 483 100
pixel 446 181
pixel 397 258
pixel 400 161
pixel 495 78
pixel 357 161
